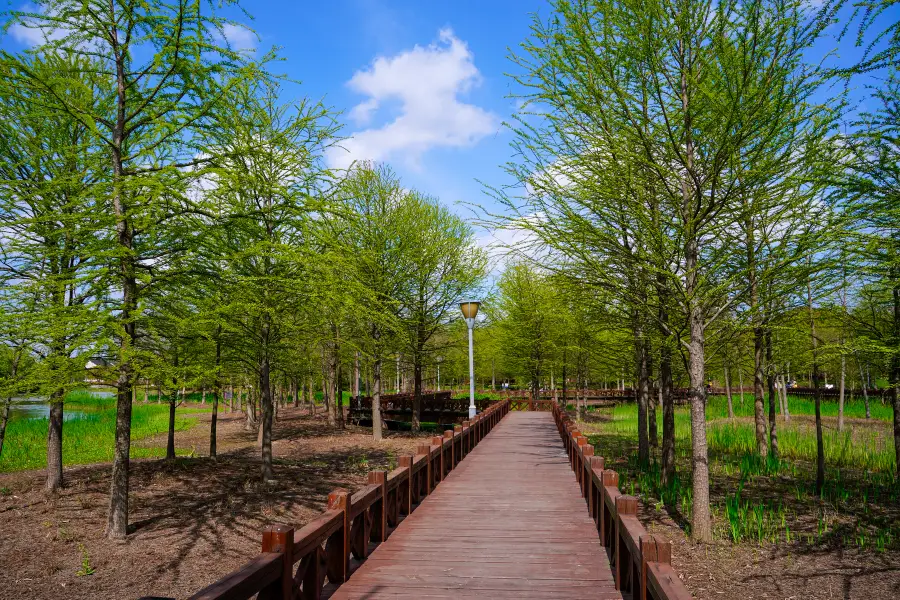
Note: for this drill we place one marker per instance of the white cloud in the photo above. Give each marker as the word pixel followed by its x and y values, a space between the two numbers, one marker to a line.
pixel 238 37
pixel 28 33
pixel 427 82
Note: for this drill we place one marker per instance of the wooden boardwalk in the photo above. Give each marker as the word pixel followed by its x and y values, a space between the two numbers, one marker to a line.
pixel 508 522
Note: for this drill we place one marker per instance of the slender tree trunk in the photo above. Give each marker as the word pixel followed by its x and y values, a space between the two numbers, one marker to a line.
pixel 338 394
pixel 4 419
pixel 770 384
pixel 170 439
pixel 565 397
pixel 250 424
pixel 865 391
pixel 54 444
pixel 217 390
pixel 642 394
pixel 417 392
pixel 841 391
pixel 666 388
pixel 817 394
pixel 784 397
pixel 265 398
pixel 741 383
pixel 895 372
pixel 728 392
pixel 758 390
pixel 701 529
pixel 376 384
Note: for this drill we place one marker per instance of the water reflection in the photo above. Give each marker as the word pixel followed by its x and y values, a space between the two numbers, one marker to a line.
pixel 36 407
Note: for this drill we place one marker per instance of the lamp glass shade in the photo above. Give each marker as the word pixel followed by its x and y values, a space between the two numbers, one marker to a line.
pixel 469 309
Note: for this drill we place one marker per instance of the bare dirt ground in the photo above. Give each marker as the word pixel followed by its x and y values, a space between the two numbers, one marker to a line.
pixel 194 519
pixel 819 569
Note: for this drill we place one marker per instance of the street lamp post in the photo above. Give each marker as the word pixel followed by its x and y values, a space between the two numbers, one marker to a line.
pixel 469 310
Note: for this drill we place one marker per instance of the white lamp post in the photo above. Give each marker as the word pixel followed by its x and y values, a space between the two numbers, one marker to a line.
pixel 469 310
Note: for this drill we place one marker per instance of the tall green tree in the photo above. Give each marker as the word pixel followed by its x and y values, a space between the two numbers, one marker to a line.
pixel 167 70
pixel 55 248
pixel 445 265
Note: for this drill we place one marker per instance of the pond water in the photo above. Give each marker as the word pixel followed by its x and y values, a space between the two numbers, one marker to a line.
pixel 37 408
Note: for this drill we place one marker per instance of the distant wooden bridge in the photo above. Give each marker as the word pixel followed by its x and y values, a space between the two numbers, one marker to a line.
pixel 513 504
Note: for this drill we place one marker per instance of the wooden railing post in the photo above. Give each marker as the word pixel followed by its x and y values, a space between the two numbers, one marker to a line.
pixel 425 449
pixel 458 442
pixel 451 460
pixel 596 496
pixel 337 548
pixel 653 550
pixel 379 522
pixel 607 521
pixel 438 441
pixel 280 539
pixel 625 505
pixel 587 451
pixel 410 494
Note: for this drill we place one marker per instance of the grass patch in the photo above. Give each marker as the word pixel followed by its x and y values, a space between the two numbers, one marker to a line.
pixel 88 438
pixel 768 501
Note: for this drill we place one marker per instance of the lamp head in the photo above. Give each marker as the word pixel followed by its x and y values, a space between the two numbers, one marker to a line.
pixel 469 309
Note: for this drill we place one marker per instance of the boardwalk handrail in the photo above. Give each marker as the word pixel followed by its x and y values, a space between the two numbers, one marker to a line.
pixel 642 563
pixel 324 546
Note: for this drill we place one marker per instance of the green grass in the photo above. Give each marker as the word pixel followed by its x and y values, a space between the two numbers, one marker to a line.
pixel 757 500
pixel 717 407
pixel 88 438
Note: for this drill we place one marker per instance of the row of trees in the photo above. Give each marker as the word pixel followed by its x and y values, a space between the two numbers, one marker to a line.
pixel 163 207
pixel 684 169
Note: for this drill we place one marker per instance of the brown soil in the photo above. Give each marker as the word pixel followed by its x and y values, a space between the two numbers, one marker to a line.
pixel 823 568
pixel 194 519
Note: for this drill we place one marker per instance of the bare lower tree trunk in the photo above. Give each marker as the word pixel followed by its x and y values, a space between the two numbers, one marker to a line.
pixel 784 398
pixel 841 392
pixel 728 393
pixel 54 444
pixel 817 393
pixel 265 399
pixel 701 529
pixel 865 391
pixel 895 374
pixel 741 383
pixel 417 392
pixel 770 384
pixel 376 393
pixel 666 387
pixel 762 447
pixel 643 393
pixel 217 391
pixel 250 424
pixel 170 438
pixel 4 419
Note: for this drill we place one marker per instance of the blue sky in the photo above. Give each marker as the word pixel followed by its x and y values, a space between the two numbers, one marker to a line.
pixel 421 85
pixel 434 69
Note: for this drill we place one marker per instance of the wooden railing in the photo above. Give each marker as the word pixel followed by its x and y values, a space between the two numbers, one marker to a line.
pixel 352 524
pixel 436 406
pixel 642 563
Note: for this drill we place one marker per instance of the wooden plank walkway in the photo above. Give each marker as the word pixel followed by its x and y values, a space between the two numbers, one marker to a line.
pixel 508 522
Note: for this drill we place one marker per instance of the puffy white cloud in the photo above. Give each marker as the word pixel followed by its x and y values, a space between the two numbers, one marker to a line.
pixel 427 83
pixel 238 37
pixel 28 33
